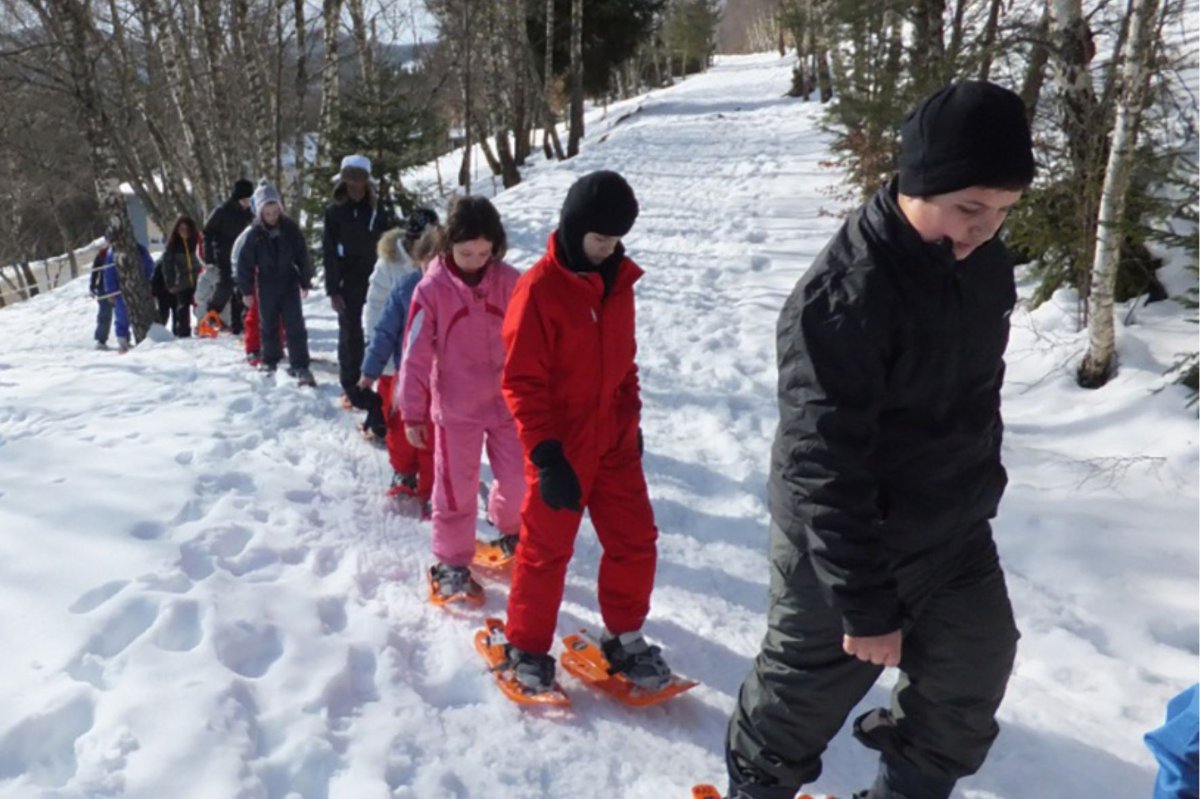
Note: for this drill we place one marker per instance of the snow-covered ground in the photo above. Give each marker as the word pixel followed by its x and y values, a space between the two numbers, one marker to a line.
pixel 204 594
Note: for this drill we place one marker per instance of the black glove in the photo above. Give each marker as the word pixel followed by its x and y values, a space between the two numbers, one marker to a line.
pixel 557 482
pixel 641 443
pixel 338 303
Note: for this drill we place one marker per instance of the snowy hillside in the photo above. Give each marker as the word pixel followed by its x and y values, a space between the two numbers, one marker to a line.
pixel 203 593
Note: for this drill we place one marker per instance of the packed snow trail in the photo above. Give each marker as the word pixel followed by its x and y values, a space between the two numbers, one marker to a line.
pixel 205 594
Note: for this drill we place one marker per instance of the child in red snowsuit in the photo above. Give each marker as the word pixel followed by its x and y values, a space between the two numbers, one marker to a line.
pixel 571 383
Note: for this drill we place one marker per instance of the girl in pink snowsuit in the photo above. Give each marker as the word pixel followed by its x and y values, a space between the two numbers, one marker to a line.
pixel 454 353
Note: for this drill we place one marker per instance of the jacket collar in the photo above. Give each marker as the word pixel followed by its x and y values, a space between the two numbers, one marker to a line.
pixel 628 272
pixel 887 226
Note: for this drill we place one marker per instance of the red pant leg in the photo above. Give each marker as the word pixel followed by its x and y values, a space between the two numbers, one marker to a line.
pixel 252 333
pixel 619 505
pixel 540 570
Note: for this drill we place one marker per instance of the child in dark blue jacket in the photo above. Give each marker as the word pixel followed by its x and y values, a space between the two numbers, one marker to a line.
pixel 412 468
pixel 112 290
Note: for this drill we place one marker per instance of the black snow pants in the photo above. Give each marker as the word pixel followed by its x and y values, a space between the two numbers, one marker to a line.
pixel 958 649
pixel 280 300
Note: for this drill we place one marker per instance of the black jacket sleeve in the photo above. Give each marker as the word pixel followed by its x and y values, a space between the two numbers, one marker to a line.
pixel 329 244
pixel 303 259
pixel 212 237
pixel 832 377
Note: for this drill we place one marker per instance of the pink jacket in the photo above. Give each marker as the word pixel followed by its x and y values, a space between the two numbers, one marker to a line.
pixel 453 349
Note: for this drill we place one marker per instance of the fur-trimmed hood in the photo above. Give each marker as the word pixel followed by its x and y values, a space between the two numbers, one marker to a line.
pixel 389 247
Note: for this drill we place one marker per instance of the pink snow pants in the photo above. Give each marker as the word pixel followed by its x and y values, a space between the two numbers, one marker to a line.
pixel 456 457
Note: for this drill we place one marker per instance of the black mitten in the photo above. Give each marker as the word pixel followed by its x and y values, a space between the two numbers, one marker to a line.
pixel 557 482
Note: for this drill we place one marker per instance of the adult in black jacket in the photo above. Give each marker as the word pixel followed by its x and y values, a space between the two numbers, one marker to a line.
pixel 886 469
pixel 354 221
pixel 221 230
pixel 274 259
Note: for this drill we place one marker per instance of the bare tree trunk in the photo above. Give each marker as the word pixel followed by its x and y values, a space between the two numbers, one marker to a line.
pixel 331 14
pixel 929 49
pixel 366 55
pixel 1035 71
pixel 954 49
pixel 28 279
pixel 576 129
pixel 157 200
pixel 464 170
pixel 72 22
pixel 1085 138
pixel 300 144
pixel 820 21
pixel 517 48
pixel 550 142
pixel 989 40
pixel 277 95
pixel 179 89
pixel 1099 364
pixel 260 99
pixel 215 102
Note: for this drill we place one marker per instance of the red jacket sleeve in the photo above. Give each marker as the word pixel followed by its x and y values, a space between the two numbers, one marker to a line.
pixel 525 382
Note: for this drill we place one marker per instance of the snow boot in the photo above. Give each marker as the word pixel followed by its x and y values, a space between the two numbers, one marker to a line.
pixel 267 368
pixel 303 376
pixel 450 583
pixel 630 656
pixel 899 780
pixel 122 344
pixel 403 485
pixel 101 345
pixel 534 672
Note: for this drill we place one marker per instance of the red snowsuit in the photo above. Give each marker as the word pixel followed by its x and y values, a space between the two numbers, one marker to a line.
pixel 569 375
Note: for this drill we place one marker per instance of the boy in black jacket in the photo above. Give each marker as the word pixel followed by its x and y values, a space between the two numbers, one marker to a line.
pixel 273 271
pixel 886 469
pixel 221 230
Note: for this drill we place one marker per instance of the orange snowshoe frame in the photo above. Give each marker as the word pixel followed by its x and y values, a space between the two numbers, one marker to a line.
pixel 584 660
pixel 489 555
pixel 210 325
pixel 496 659
pixel 473 597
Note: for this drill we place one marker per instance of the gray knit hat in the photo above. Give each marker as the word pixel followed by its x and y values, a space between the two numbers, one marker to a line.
pixel 265 194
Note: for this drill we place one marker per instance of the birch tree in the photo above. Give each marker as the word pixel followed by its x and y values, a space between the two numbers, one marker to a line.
pixel 1099 363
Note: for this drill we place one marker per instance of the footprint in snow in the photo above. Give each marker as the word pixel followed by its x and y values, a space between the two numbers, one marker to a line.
pixel 179 628
pixel 93 598
pixel 247 648
pixel 41 747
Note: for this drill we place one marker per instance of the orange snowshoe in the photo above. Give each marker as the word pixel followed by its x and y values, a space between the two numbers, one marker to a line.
pixel 459 587
pixel 491 643
pixel 583 659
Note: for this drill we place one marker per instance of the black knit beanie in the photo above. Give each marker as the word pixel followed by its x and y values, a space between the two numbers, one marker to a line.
pixel 417 222
pixel 970 133
pixel 243 189
pixel 599 202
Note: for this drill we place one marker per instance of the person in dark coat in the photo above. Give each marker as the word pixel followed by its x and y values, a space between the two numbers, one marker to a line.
pixel 179 266
pixel 104 303
pixel 354 221
pixel 221 230
pixel 274 272
pixel 886 469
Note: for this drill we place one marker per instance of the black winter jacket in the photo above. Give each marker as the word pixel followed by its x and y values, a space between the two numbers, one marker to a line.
pixel 352 231
pixel 180 269
pixel 890 365
pixel 221 230
pixel 276 256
